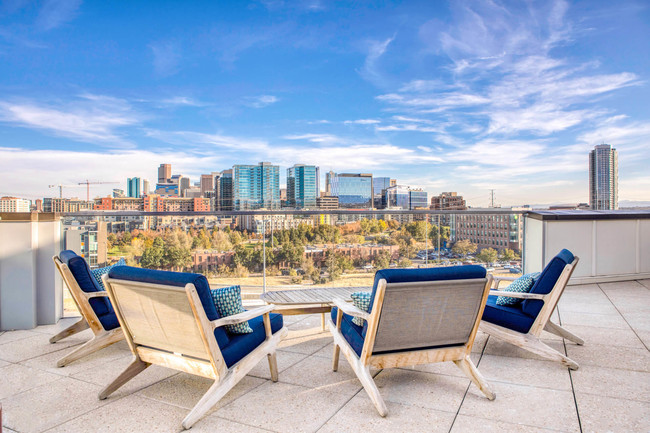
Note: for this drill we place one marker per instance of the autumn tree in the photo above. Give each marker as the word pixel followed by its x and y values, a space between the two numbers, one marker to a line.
pixel 464 247
pixel 487 255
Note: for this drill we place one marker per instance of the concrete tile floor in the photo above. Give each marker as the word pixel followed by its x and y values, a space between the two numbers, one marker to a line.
pixel 610 391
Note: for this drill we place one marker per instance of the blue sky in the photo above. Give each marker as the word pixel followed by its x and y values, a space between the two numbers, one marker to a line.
pixel 446 96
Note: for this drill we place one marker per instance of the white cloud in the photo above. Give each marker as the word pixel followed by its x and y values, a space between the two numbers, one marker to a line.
pixel 183 100
pixel 92 118
pixel 71 167
pixel 262 101
pixel 202 142
pixel 362 122
pixel 314 138
pixel 370 70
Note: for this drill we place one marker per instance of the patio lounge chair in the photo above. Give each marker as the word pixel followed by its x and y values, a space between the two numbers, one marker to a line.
pixel 418 316
pixel 523 323
pixel 169 319
pixel 93 304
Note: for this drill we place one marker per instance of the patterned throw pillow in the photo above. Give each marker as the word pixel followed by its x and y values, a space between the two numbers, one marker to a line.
pixel 522 284
pixel 361 300
pixel 97 273
pixel 227 300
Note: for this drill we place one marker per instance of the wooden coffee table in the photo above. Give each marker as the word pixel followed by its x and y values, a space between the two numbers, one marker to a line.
pixel 309 301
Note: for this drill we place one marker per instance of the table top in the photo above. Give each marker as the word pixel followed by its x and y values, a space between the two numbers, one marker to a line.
pixel 320 295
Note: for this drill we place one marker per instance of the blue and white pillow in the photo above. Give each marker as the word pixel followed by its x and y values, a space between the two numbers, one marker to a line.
pixel 97 273
pixel 227 300
pixel 361 300
pixel 522 284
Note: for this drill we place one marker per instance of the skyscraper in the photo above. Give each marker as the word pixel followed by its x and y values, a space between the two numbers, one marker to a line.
pixel 354 190
pixel 379 185
pixel 603 177
pixel 303 186
pixel 164 173
pixel 207 183
pixel 224 194
pixel 256 186
pixel 145 187
pixel 133 187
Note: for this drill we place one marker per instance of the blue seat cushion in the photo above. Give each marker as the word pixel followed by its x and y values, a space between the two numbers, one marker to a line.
pixel 241 345
pixel 81 273
pixel 464 272
pixel 510 317
pixel 178 279
pixel 545 282
pixel 351 332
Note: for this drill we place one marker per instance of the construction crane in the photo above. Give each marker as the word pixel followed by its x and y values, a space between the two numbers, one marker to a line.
pixel 88 183
pixel 61 188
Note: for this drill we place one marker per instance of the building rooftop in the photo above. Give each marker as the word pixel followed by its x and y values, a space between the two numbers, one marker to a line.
pixel 610 391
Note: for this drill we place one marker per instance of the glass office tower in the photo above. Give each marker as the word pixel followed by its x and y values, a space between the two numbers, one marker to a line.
pixel 354 190
pixel 418 199
pixel 133 187
pixel 303 186
pixel 256 186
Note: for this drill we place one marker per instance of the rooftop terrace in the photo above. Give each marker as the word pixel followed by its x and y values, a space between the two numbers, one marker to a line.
pixel 610 391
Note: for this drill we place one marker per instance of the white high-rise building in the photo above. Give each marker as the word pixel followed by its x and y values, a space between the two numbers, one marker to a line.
pixel 603 178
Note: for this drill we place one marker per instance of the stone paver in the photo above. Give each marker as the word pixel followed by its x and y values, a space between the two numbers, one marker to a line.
pixel 610 391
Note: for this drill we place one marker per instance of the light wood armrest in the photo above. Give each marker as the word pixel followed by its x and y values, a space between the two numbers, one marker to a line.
pixel 518 295
pixel 498 280
pixel 350 309
pixel 89 295
pixel 242 317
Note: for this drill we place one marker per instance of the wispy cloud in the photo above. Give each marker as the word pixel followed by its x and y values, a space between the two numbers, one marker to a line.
pixel 362 122
pixel 201 142
pixel 370 70
pixel 183 101
pixel 505 79
pixel 90 118
pixel 54 13
pixel 166 57
pixel 261 101
pixel 313 138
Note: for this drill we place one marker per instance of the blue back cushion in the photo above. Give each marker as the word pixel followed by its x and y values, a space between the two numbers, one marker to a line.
pixel 178 279
pixel 426 274
pixel 81 272
pixel 545 282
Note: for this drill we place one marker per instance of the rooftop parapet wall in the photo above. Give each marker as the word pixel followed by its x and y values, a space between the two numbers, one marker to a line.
pixel 612 245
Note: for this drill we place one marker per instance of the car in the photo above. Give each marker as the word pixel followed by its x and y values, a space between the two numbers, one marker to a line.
pixel 515 270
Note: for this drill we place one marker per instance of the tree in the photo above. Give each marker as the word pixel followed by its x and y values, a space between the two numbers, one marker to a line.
pixel 464 247
pixel 405 263
pixel 417 229
pixel 487 255
pixel 507 255
pixel 382 260
pixel 152 257
pixel 407 248
pixel 176 257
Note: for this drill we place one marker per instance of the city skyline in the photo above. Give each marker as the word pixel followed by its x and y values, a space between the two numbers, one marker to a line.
pixel 462 97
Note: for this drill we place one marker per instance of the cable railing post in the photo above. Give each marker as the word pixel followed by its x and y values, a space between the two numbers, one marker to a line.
pixel 263 253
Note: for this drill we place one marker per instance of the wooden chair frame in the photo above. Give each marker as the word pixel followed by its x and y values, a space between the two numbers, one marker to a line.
pixel 460 354
pixel 214 367
pixel 89 319
pixel 531 341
